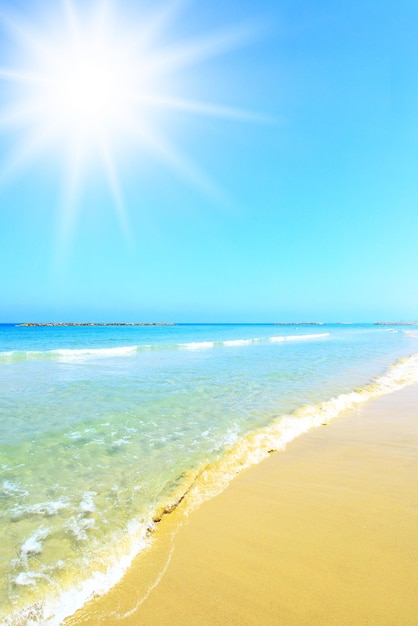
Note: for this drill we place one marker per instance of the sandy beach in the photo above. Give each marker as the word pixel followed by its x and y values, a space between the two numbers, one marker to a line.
pixel 322 533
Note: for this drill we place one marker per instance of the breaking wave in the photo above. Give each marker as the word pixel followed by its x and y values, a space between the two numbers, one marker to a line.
pixel 67 354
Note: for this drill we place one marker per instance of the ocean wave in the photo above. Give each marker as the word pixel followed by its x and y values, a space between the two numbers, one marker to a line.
pixel 240 342
pixel 76 354
pixel 197 345
pixel 100 352
pixel 298 337
pixel 66 353
pixel 411 333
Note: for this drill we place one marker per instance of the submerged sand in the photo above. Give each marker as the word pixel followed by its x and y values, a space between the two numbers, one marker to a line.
pixel 323 533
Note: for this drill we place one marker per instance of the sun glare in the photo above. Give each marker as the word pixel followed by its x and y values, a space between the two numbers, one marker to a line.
pixel 84 81
pixel 87 91
pixel 90 83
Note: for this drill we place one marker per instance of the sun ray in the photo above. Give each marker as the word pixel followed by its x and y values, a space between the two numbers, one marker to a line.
pixel 28 150
pixel 202 48
pixel 72 22
pixel 16 116
pixel 70 205
pixel 116 189
pixel 19 76
pixel 90 86
pixel 28 37
pixel 204 108
pixel 160 147
pixel 153 26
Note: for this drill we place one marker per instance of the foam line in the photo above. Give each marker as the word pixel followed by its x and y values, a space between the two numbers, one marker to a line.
pixel 123 351
pixel 298 337
pixel 253 449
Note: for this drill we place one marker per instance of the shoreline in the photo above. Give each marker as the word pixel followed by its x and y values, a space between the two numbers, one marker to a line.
pixel 323 533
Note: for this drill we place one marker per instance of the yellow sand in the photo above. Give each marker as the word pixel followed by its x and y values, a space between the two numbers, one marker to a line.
pixel 323 533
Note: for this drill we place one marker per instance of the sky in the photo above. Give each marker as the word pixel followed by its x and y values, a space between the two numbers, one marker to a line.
pixel 263 166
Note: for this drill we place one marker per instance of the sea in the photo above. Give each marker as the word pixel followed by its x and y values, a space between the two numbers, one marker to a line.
pixel 104 429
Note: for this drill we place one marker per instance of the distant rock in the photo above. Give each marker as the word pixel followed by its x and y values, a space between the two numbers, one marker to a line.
pixel 98 324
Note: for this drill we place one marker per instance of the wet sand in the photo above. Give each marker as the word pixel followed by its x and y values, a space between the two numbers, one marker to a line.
pixel 323 533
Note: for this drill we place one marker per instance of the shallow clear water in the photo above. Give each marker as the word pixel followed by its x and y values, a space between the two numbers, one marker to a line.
pixel 101 428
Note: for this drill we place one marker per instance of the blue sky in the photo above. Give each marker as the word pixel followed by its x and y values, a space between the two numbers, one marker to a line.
pixel 309 213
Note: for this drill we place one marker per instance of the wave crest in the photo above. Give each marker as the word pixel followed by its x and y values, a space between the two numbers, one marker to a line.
pixel 74 354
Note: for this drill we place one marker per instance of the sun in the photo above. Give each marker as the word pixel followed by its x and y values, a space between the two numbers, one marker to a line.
pixel 90 78
pixel 84 82
pixel 88 89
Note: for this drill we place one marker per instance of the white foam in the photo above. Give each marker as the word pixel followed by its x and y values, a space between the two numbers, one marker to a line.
pixel 95 352
pixel 79 525
pixel 197 345
pixel 201 345
pixel 11 489
pixel 46 509
pixel 67 353
pixel 298 337
pixel 122 441
pixel 228 439
pixel 26 579
pixel 87 503
pixel 239 342
pixel 33 545
pixel 75 354
pixel 9 354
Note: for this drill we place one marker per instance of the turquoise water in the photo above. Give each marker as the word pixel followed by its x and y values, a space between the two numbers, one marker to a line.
pixel 104 428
